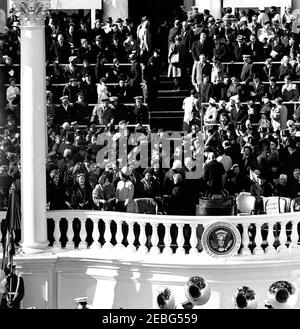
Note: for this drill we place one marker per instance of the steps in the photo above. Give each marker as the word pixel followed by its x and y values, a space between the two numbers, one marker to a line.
pixel 166 110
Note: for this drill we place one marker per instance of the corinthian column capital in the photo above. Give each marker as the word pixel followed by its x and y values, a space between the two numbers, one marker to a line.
pixel 32 12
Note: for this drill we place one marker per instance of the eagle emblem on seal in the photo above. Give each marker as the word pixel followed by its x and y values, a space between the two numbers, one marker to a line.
pixel 221 240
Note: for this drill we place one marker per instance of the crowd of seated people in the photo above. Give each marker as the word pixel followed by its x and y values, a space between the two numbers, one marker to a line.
pixel 253 148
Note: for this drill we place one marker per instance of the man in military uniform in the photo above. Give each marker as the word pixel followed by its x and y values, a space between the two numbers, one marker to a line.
pixel 12 287
pixel 139 112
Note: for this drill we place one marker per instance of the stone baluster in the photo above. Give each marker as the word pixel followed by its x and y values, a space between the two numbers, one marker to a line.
pixel 70 234
pixel 294 236
pixel 270 238
pixel 180 240
pixel 96 244
pixel 143 239
pixel 155 240
pixel 107 234
pixel 131 238
pixel 282 248
pixel 245 240
pixel 56 233
pixel 258 250
pixel 168 250
pixel 82 234
pixel 194 240
pixel 119 234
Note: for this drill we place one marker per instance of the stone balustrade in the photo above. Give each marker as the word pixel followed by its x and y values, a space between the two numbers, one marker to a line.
pixel 145 234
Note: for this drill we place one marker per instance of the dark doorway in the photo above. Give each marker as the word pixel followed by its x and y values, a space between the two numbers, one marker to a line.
pixel 155 10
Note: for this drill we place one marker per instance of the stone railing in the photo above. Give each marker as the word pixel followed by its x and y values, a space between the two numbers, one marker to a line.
pixel 144 234
pixel 170 235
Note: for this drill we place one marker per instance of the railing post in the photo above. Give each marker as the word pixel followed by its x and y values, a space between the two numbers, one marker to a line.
pixel 270 249
pixel 168 240
pixel 282 248
pixel 143 239
pixel 193 240
pixel 119 235
pixel 155 240
pixel 294 236
pixel 180 240
pixel 131 238
pixel 56 233
pixel 258 250
pixel 70 234
pixel 96 244
pixel 245 240
pixel 82 234
pixel 107 234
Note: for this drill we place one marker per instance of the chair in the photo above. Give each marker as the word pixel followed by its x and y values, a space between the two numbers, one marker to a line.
pixel 245 204
pixel 276 204
pixel 295 204
pixel 145 206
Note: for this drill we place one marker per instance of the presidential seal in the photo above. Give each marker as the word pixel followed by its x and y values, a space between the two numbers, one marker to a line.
pixel 221 240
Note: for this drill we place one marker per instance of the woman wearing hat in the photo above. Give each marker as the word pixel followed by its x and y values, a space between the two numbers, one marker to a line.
pixel 104 190
pixel 124 190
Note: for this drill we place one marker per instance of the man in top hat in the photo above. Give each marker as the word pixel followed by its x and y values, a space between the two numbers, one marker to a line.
pixel 103 113
pixel 12 287
pixel 138 113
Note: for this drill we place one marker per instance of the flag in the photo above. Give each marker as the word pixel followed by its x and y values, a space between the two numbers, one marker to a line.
pixel 12 222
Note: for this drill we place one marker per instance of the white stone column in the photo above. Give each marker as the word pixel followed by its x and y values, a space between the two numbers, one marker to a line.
pixel 33 124
pixel 115 9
